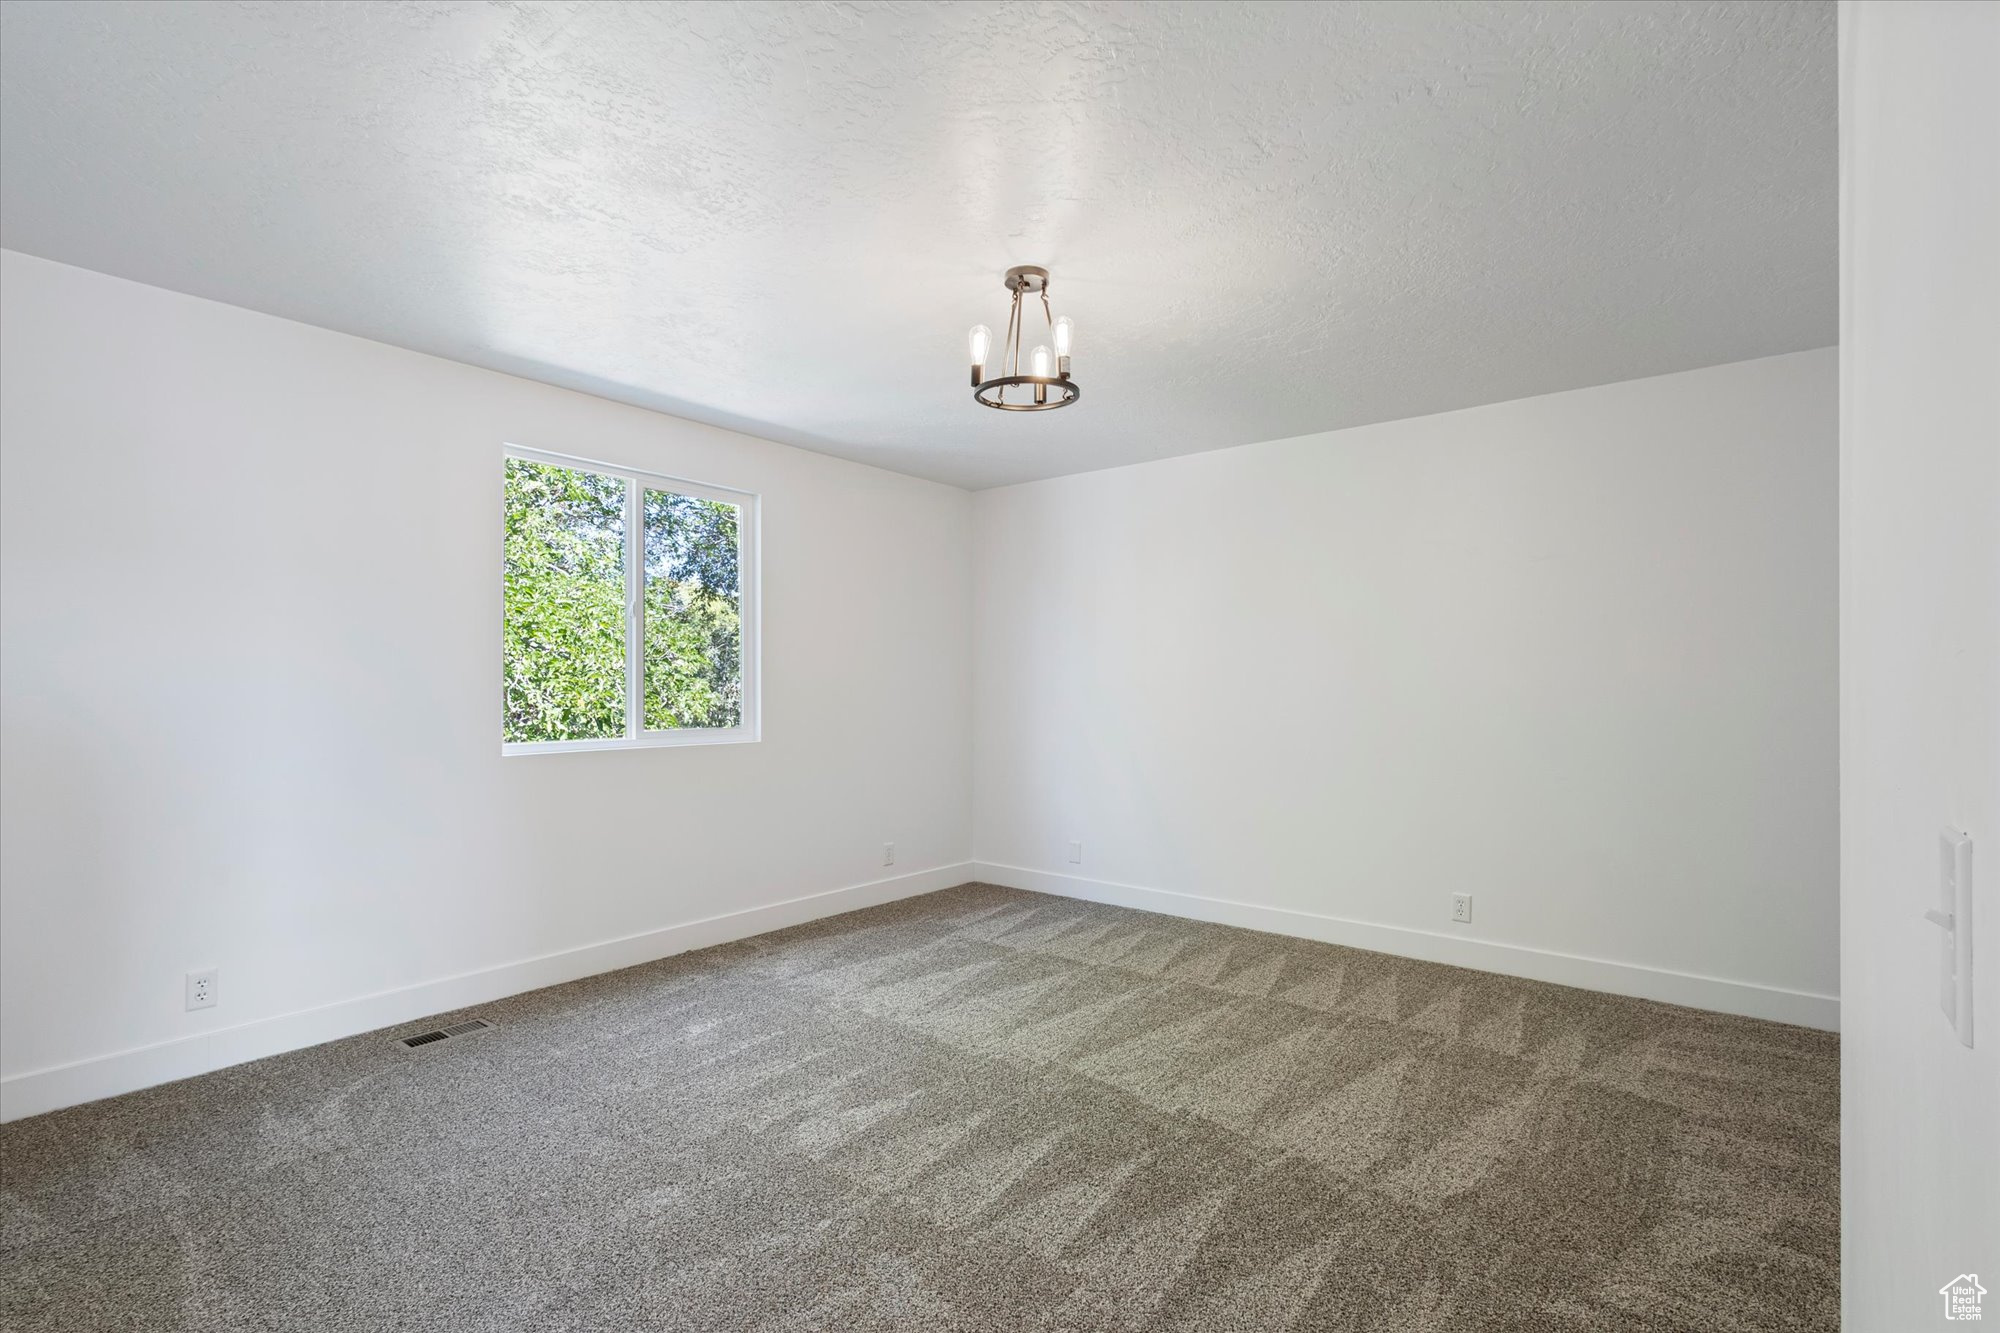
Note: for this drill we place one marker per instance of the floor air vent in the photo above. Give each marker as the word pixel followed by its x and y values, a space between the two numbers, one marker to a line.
pixel 442 1034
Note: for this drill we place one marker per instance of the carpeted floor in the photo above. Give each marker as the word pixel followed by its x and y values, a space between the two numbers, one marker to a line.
pixel 981 1109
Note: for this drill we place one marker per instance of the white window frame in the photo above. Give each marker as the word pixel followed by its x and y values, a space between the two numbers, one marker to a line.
pixel 748 565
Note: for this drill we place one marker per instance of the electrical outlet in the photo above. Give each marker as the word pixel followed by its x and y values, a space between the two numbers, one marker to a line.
pixel 1076 853
pixel 201 988
pixel 888 853
pixel 1461 907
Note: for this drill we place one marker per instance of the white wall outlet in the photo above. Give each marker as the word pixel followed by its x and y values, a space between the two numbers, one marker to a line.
pixel 888 853
pixel 1076 853
pixel 1461 907
pixel 201 987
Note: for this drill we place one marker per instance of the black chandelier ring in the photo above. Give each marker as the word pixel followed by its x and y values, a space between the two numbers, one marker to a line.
pixel 1069 389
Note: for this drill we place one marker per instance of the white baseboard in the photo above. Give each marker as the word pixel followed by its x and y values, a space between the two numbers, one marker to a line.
pixel 37 1090
pixel 1647 983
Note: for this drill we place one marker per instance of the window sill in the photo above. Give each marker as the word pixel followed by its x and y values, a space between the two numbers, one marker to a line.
pixel 650 740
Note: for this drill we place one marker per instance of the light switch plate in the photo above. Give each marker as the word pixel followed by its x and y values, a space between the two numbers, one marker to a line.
pixel 1955 953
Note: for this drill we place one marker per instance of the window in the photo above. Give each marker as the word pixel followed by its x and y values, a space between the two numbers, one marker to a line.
pixel 630 613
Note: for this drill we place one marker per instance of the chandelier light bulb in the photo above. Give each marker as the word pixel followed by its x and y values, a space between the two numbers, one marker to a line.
pixel 980 340
pixel 1044 364
pixel 1065 332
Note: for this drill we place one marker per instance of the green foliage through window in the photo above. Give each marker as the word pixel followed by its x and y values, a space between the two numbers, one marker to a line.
pixel 566 628
pixel 694 630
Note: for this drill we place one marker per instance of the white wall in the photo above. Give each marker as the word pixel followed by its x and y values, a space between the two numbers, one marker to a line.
pixel 1920 646
pixel 1574 655
pixel 251 710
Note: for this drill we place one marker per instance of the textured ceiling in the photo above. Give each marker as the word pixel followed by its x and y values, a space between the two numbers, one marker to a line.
pixel 1267 220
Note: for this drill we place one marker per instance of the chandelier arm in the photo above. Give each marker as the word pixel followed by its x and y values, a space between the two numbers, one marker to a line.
pixel 1007 341
pixel 1014 367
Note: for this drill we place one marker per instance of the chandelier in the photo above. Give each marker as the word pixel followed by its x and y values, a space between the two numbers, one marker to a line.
pixel 1048 384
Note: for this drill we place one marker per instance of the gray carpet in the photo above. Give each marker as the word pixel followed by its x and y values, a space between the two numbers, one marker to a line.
pixel 981 1109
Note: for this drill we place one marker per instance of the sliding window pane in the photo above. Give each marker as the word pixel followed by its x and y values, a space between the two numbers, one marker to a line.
pixel 565 604
pixel 693 613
